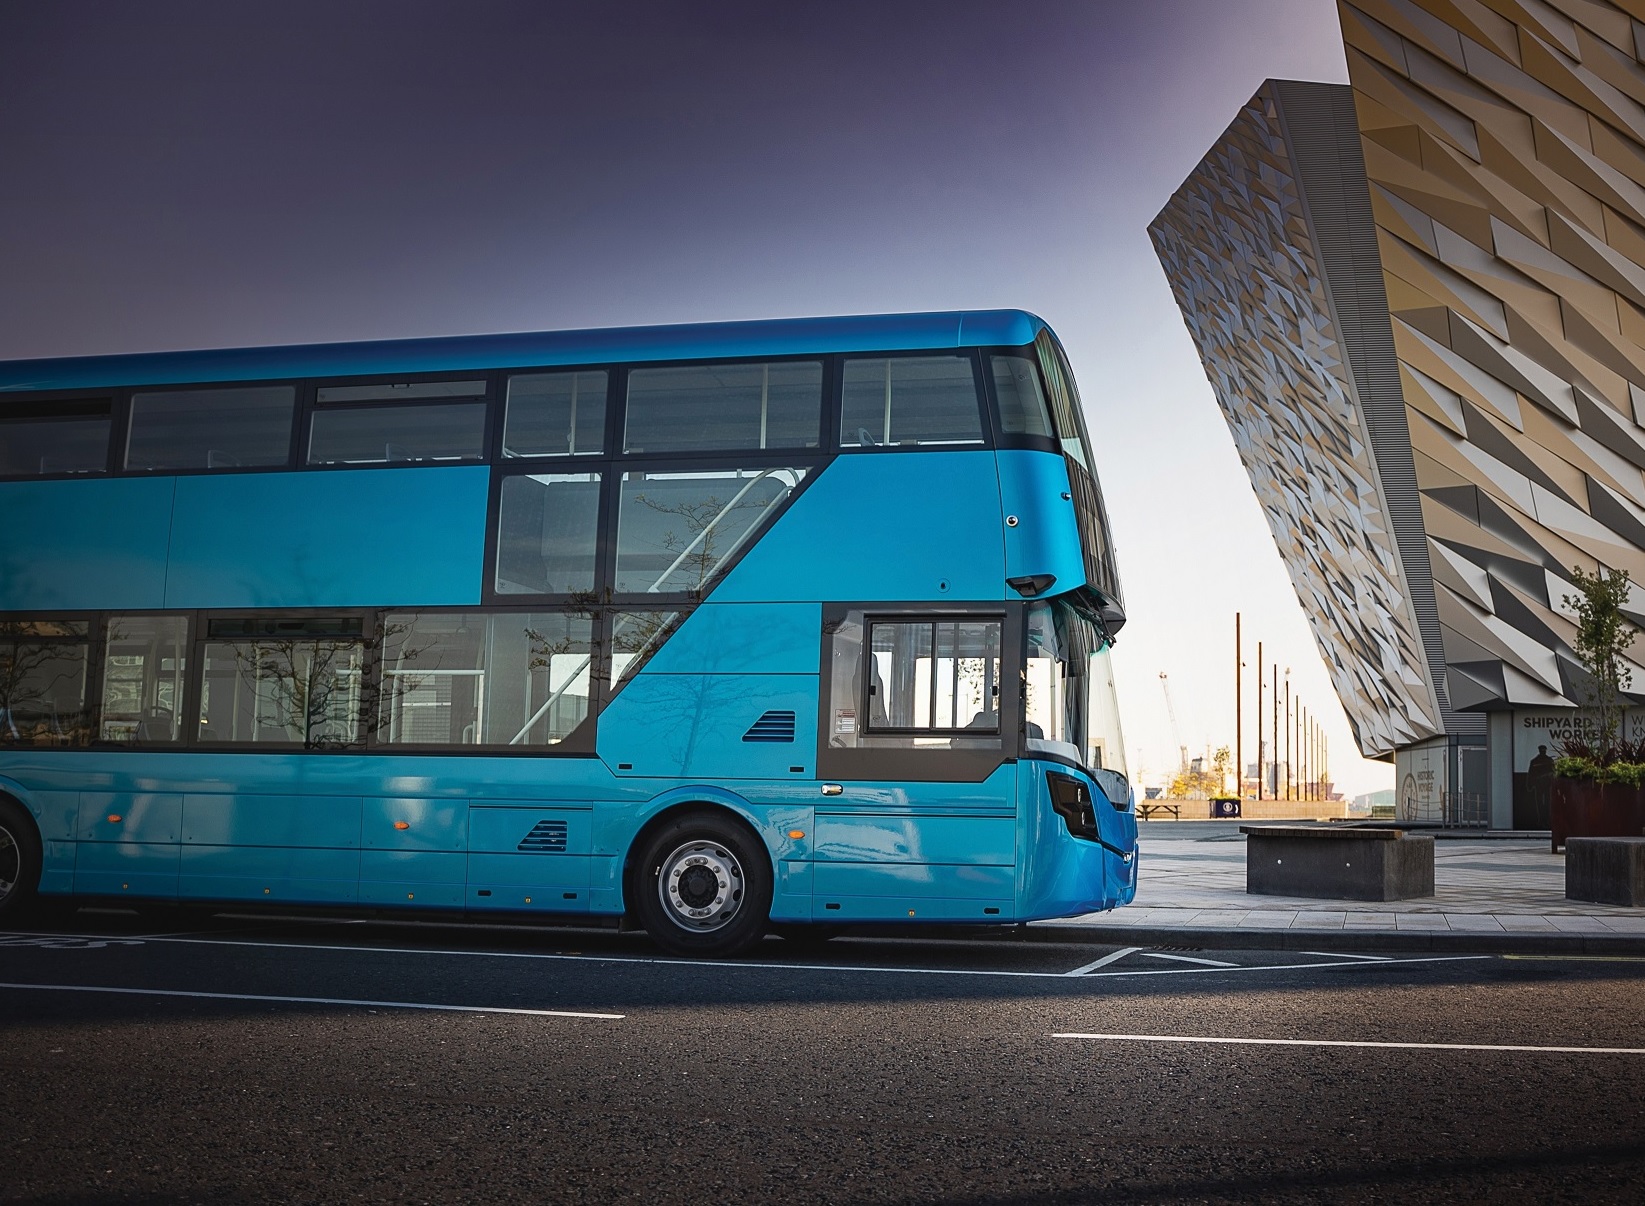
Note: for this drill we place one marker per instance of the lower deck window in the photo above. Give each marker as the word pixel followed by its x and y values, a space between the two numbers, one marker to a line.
pixel 934 675
pixel 145 666
pixel 43 682
pixel 635 636
pixel 512 679
pixel 917 696
pixel 283 682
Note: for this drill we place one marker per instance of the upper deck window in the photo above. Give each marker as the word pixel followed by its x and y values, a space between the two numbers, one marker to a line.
pixel 1065 401
pixel 676 531
pixel 909 400
pixel 1023 410
pixel 386 423
pixel 53 437
pixel 555 414
pixel 237 428
pixel 547 534
pixel 724 407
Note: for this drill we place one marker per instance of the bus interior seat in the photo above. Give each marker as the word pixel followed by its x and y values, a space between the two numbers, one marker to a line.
pixel 155 725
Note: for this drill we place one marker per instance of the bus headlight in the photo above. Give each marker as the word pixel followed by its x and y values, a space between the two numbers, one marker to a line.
pixel 1071 800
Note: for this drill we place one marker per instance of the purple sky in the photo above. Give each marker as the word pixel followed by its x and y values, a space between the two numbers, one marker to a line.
pixel 208 174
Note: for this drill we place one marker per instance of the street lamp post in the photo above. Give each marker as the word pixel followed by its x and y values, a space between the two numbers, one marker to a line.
pixel 1288 733
pixel 1259 720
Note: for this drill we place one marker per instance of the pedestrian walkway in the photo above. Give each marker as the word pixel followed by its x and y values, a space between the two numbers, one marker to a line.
pixel 1490 894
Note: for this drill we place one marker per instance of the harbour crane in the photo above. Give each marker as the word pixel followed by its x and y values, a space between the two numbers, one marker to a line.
pixel 1176 735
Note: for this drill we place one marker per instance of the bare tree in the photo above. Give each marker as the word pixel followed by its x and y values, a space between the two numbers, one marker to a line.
pixel 328 692
pixel 38 662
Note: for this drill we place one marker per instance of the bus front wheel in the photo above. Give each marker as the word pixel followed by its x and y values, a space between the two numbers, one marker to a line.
pixel 19 860
pixel 704 887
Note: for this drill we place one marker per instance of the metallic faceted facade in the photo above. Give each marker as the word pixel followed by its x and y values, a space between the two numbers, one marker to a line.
pixel 1501 149
pixel 1247 267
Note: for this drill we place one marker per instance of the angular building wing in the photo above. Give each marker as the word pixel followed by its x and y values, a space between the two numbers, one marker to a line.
pixel 1420 300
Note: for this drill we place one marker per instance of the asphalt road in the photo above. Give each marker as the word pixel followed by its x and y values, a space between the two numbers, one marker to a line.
pixel 266 1060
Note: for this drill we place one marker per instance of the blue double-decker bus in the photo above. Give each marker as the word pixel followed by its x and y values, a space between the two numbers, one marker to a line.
pixel 721 629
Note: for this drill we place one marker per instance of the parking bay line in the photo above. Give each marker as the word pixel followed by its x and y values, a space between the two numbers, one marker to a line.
pixel 727 965
pixel 1092 966
pixel 1277 1042
pixel 1189 959
pixel 1340 955
pixel 247 996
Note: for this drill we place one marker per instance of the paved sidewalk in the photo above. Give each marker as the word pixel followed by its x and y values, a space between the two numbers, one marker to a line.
pixel 1490 894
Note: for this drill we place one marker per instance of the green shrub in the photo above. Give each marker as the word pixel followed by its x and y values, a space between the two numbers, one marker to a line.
pixel 1629 774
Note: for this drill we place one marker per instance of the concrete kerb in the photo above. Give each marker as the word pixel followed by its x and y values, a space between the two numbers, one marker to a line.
pixel 1230 938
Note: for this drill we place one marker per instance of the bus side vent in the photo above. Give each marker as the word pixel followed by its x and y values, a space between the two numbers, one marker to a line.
pixel 546 837
pixel 773 726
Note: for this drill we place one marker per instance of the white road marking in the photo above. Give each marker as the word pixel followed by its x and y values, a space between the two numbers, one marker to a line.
pixel 1189 959
pixel 1342 955
pixel 248 996
pixel 1103 962
pixel 722 965
pixel 1276 1042
pixel 66 943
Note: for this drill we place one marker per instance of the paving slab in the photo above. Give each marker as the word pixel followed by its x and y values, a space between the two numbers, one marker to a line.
pixel 1492 894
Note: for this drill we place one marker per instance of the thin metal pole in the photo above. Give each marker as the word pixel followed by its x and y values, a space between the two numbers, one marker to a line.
pixel 1259 720
pixel 1275 758
pixel 1239 749
pixel 1302 752
pixel 1288 795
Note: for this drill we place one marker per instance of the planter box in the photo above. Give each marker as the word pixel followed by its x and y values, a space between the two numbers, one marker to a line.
pixel 1584 808
pixel 1606 870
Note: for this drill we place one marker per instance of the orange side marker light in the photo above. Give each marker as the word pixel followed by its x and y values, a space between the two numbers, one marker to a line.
pixel 402 824
pixel 796 834
pixel 114 818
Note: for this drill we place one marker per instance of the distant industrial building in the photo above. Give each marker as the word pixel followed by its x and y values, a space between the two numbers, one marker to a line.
pixel 1420 300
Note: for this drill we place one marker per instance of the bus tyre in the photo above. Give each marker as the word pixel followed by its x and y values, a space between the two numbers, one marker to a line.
pixel 704 887
pixel 19 861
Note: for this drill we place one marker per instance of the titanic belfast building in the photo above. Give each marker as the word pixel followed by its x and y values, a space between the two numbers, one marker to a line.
pixel 1420 301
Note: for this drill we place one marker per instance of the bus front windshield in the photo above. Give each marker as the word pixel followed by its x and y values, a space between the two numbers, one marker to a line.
pixel 1071 708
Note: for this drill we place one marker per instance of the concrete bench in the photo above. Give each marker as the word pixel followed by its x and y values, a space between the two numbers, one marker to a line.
pixel 1606 870
pixel 1337 862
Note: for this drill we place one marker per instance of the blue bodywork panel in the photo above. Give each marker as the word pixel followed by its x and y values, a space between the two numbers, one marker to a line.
pixel 921 526
pixel 1059 875
pixel 692 726
pixel 294 539
pixel 743 638
pixel 245 540
pixel 1034 485
pixel 777 337
pixel 91 543
pixel 991 851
